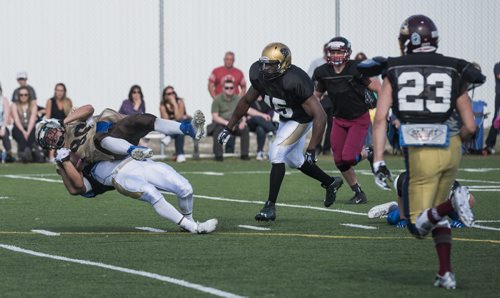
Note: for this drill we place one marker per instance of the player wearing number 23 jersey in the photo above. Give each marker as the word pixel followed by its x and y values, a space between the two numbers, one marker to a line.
pixel 424 89
pixel 289 91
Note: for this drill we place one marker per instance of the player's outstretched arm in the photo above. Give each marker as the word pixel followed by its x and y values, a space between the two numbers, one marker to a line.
pixel 242 107
pixel 82 113
pixel 313 108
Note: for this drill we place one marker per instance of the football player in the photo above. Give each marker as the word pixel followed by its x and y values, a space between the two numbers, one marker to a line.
pixel 110 135
pixel 140 180
pixel 347 89
pixel 289 91
pixel 424 88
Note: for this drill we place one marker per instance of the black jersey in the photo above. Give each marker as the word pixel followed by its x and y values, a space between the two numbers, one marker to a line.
pixel 285 94
pixel 346 89
pixel 425 86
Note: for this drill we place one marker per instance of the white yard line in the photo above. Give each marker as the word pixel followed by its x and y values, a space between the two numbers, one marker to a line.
pixel 6 198
pixel 179 282
pixel 254 228
pixel 485 227
pixel 154 230
pixel 46 233
pixel 494 220
pixel 358 226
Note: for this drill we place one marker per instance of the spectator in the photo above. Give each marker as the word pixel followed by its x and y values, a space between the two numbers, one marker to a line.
pixel 173 107
pixel 223 107
pixel 58 107
pixel 327 105
pixel 134 104
pixel 226 72
pixel 22 79
pixel 24 113
pixel 4 130
pixel 260 121
pixel 491 140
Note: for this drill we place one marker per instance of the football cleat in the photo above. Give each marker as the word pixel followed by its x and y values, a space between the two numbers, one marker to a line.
pixel 359 198
pixel 331 191
pixel 267 213
pixel 402 224
pixel 460 202
pixel 423 224
pixel 381 210
pixel 140 152
pixel 446 281
pixel 206 226
pixel 196 127
pixel 457 224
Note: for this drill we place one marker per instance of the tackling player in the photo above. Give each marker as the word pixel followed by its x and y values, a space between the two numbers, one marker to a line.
pixel 289 91
pixel 424 88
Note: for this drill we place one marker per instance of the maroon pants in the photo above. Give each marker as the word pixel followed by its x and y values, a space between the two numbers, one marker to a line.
pixel 347 139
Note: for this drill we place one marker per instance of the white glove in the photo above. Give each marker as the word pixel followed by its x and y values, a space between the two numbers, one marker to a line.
pixel 63 154
pixel 382 175
pixel 90 122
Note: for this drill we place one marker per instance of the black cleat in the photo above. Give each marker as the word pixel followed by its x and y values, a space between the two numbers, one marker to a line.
pixel 331 191
pixel 267 213
pixel 359 198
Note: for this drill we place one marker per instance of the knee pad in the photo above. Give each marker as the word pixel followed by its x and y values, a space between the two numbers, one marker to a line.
pixel 343 167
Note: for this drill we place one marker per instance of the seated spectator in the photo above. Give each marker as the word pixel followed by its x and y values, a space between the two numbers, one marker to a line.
pixel 260 121
pixel 22 79
pixel 58 107
pixel 5 121
pixel 223 107
pixel 134 104
pixel 172 107
pixel 24 113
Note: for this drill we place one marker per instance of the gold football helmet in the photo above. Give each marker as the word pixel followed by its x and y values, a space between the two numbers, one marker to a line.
pixel 276 58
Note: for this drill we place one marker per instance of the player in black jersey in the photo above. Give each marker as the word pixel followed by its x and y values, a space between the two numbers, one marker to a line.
pixel 347 90
pixel 424 88
pixel 289 91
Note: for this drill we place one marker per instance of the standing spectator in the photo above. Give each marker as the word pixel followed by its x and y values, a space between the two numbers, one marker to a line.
pixel 289 91
pixel 327 105
pixel 346 88
pixel 58 107
pixel 24 113
pixel 22 79
pixel 223 107
pixel 134 104
pixel 491 140
pixel 173 107
pixel 431 163
pixel 4 130
pixel 260 121
pixel 226 72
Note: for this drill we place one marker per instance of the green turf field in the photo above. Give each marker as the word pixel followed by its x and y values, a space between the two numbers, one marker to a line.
pixel 307 252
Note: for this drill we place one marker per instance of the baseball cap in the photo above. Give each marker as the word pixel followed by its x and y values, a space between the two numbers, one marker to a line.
pixel 22 75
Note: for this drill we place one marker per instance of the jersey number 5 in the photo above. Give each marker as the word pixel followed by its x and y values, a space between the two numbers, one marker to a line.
pixel 440 82
pixel 279 105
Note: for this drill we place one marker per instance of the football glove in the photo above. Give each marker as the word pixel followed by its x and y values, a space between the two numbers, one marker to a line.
pixel 224 136
pixel 310 156
pixel 382 175
pixel 63 154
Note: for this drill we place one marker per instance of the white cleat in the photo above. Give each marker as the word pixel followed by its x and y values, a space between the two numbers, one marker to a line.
pixel 207 226
pixel 381 210
pixel 140 153
pixel 198 123
pixel 446 281
pixel 460 202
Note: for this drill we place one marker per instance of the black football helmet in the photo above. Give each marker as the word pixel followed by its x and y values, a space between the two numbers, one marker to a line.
pixel 276 58
pixel 338 44
pixel 418 34
pixel 49 134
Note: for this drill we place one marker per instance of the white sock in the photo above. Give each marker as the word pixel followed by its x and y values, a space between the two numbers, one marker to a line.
pixel 115 145
pixel 186 206
pixel 168 127
pixel 166 210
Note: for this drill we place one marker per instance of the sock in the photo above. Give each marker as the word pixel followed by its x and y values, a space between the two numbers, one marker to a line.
pixel 313 171
pixel 168 127
pixel 445 208
pixel 433 215
pixel 115 145
pixel 442 240
pixel 356 188
pixel 186 206
pixel 275 180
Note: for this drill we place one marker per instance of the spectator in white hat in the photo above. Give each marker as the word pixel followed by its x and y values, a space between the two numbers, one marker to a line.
pixel 22 79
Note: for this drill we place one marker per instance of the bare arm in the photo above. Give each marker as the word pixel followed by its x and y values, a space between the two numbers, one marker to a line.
pixel 72 178
pixel 243 86
pixel 48 109
pixel 464 107
pixel 216 118
pixel 375 85
pixel 242 107
pixel 34 114
pixel 211 89
pixel 163 112
pixel 82 113
pixel 15 117
pixel 384 103
pixel 313 108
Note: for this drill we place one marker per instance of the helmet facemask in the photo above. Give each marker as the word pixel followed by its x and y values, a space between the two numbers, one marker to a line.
pixel 270 69
pixel 50 134
pixel 338 51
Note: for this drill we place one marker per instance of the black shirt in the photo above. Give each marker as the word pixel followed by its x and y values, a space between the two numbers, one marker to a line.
pixel 286 93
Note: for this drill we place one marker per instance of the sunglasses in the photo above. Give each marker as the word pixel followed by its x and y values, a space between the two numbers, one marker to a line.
pixel 228 88
pixel 169 93
pixel 23 94
pixel 136 91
